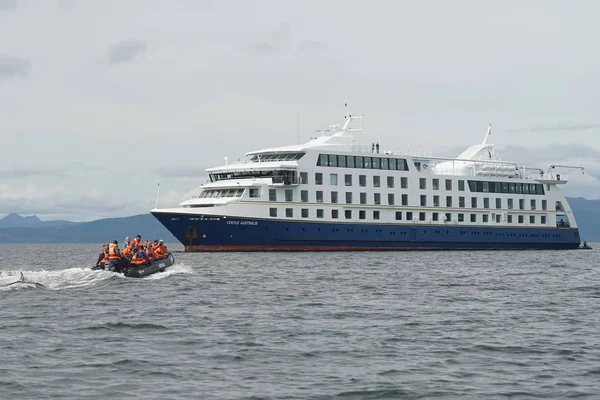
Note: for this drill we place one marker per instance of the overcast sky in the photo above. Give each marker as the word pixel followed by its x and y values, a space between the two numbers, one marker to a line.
pixel 101 100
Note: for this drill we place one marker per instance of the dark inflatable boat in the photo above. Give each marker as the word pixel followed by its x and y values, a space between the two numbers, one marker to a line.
pixel 139 271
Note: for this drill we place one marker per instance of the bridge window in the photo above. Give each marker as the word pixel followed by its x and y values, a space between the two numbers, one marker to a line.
pixel 333 160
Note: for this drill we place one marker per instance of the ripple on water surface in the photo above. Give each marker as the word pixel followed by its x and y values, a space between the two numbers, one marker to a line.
pixel 302 325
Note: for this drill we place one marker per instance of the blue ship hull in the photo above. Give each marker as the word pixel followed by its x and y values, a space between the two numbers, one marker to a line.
pixel 223 233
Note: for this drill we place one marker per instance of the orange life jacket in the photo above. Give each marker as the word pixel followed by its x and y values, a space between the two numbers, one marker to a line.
pixel 136 242
pixel 105 259
pixel 137 260
pixel 126 252
pixel 112 252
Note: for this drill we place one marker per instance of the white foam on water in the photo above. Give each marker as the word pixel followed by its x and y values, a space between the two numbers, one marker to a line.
pixel 55 280
pixel 175 269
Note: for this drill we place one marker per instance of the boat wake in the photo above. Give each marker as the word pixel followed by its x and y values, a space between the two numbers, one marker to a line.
pixel 54 280
pixel 72 278
pixel 175 269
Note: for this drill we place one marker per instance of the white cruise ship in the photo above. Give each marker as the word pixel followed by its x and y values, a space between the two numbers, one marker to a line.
pixel 331 194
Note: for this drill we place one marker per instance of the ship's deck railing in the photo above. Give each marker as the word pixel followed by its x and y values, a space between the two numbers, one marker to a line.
pixel 362 149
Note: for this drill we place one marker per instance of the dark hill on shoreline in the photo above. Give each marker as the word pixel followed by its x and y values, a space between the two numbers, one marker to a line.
pixel 100 231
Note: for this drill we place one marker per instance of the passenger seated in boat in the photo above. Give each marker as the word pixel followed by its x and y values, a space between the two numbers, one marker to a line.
pixel 150 253
pixel 103 256
pixel 137 242
pixel 160 250
pixel 115 261
pixel 139 256
pixel 126 253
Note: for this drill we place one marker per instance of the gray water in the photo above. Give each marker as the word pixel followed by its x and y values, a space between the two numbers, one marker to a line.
pixel 455 325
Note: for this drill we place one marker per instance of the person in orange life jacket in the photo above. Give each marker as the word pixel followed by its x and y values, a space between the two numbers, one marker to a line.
pixel 127 243
pixel 115 263
pixel 113 251
pixel 160 250
pixel 103 256
pixel 137 242
pixel 163 246
pixel 139 256
pixel 150 253
pixel 126 253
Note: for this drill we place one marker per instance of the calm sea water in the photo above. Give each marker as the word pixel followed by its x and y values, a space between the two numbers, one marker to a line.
pixel 456 325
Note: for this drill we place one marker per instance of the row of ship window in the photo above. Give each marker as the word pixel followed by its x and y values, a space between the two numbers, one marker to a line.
pixel 391 200
pixel 474 186
pixel 410 216
pixel 387 163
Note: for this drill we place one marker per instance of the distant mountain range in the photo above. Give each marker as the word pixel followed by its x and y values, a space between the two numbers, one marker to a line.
pixel 100 231
pixel 17 229
pixel 16 221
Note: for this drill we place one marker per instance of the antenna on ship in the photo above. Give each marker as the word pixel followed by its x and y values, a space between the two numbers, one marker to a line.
pixel 157 194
